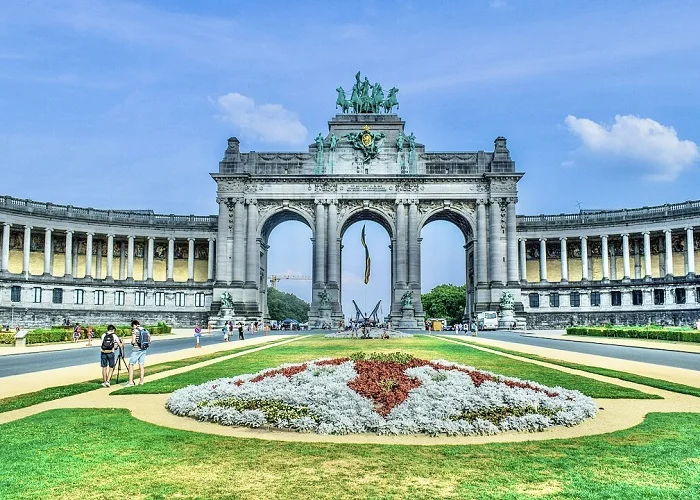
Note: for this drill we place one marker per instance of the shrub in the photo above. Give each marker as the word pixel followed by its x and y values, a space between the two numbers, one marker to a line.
pixel 682 334
pixel 7 338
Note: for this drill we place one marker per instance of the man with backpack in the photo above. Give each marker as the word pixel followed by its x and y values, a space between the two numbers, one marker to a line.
pixel 140 341
pixel 110 342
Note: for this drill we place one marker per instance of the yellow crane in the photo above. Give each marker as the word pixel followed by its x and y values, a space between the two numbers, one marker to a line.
pixel 274 278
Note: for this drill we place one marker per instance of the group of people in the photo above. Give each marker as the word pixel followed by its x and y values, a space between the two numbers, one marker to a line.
pixel 112 352
pixel 227 330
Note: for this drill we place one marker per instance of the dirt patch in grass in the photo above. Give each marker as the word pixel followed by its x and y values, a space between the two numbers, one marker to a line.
pixel 545 488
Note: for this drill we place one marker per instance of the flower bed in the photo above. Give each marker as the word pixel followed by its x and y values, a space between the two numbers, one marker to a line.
pixel 372 333
pixel 384 394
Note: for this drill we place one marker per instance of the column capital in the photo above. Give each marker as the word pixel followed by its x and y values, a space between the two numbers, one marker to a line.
pixel 28 227
pixel 512 200
pixel 689 228
pixel 400 201
pixel 131 237
pixel 7 224
pixel 481 201
pixel 150 238
pixel 562 239
pixel 583 238
pixel 603 236
pixel 320 202
pixel 251 201
pixel 48 229
pixel 171 238
pixel 646 233
pixel 211 239
pixel 191 239
pixel 87 233
pixel 625 235
pixel 669 231
pixel 522 239
pixel 109 235
pixel 543 239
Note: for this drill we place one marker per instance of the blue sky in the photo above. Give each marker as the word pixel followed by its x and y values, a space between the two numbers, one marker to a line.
pixel 124 104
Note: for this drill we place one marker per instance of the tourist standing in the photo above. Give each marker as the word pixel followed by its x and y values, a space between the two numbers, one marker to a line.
pixel 89 336
pixel 76 333
pixel 230 329
pixel 110 343
pixel 140 341
pixel 267 329
pixel 240 331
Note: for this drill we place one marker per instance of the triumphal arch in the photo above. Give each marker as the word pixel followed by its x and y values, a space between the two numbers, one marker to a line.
pixel 366 167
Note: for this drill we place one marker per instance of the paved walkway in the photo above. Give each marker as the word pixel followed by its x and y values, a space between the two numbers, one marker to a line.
pixel 614 414
pixel 664 345
pixel 30 382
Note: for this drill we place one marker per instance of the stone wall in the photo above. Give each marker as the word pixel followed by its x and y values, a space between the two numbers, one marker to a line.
pixel 554 320
pixel 36 318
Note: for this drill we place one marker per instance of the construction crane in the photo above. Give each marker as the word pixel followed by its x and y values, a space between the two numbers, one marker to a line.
pixel 274 278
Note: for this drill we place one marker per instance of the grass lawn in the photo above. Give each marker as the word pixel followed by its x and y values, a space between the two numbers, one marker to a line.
pixel 420 346
pixel 51 393
pixel 629 377
pixel 90 453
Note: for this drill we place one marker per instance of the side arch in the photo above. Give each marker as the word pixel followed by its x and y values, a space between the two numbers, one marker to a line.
pixel 279 215
pixel 463 220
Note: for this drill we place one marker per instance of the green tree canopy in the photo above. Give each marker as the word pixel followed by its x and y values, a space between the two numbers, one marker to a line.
pixel 283 305
pixel 445 301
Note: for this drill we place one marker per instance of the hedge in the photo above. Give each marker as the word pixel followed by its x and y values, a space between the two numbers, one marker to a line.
pixel 637 332
pixel 7 338
pixel 65 334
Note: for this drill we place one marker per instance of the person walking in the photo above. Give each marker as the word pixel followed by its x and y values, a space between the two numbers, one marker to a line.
pixel 76 333
pixel 230 329
pixel 140 341
pixel 89 334
pixel 108 347
pixel 240 332
pixel 267 329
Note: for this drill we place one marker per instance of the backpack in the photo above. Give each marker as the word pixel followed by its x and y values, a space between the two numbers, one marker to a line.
pixel 108 342
pixel 144 339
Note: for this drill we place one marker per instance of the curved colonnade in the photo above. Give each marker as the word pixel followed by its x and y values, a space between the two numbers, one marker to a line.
pixel 624 266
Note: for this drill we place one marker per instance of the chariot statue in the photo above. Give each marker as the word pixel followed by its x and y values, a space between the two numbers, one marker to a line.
pixel 507 300
pixel 325 298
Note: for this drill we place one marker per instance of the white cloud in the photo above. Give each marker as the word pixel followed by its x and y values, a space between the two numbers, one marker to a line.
pixel 264 122
pixel 641 139
pixel 568 163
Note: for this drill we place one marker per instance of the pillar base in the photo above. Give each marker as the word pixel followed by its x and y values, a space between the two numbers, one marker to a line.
pixel 647 279
pixel 544 281
pixel 563 280
pixel 691 276
pixel 109 279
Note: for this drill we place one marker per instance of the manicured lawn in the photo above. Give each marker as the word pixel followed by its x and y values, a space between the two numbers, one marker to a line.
pixel 421 346
pixel 67 454
pixel 51 393
pixel 629 377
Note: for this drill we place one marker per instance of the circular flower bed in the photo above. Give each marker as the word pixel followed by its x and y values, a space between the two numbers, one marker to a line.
pixel 382 393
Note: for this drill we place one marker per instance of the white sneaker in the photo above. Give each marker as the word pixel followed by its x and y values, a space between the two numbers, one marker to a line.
pixel 129 384
pixel 106 384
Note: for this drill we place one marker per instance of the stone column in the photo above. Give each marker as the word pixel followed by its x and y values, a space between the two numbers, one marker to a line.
pixel 48 250
pixel 210 260
pixel 625 256
pixel 69 254
pixel 98 260
pixel 171 259
pixel 481 269
pixel 413 247
pixel 5 262
pixel 401 244
pixel 669 253
pixel 252 272
pixel 223 272
pixel 239 226
pixel 88 255
pixel 27 249
pixel 564 261
pixel 647 256
pixel 190 260
pixel 496 273
pixel 122 260
pixel 151 243
pixel 130 259
pixel 523 261
pixel 604 254
pixel 511 243
pixel 110 257
pixel 690 252
pixel 320 245
pixel 332 244
pixel 543 260
pixel 584 258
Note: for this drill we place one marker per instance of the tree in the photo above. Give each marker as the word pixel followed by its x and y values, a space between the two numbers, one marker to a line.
pixel 283 305
pixel 445 301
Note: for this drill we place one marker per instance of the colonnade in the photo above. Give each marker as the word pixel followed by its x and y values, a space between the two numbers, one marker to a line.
pixel 126 255
pixel 605 256
pixel 238 247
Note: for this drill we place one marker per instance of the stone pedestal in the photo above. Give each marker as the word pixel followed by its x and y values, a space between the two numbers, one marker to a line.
pixel 408 319
pixel 324 316
pixel 225 315
pixel 506 319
